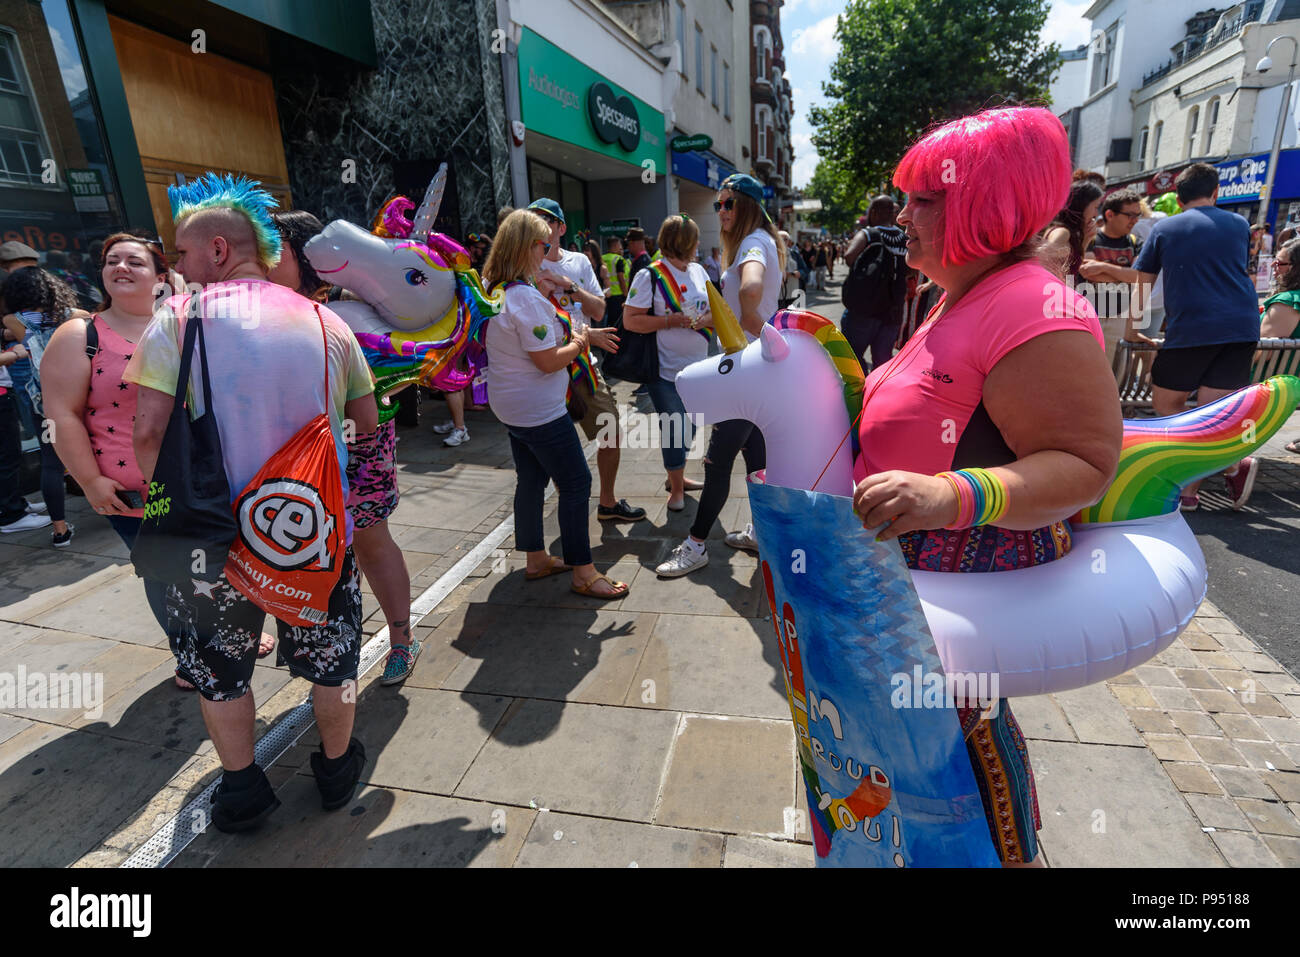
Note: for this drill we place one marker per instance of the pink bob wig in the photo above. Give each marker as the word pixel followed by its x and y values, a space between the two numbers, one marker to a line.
pixel 1004 174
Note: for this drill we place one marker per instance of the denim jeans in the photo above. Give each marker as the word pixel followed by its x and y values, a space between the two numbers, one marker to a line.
pixel 728 439
pixel 551 452
pixel 155 592
pixel 12 505
pixel 675 432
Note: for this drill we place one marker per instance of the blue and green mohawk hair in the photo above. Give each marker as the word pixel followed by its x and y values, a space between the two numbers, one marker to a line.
pixel 215 191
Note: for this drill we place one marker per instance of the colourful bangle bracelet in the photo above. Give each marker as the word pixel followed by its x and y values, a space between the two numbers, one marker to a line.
pixel 981 497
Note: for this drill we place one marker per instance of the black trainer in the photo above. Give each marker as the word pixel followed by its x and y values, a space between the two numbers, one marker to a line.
pixel 244 809
pixel 620 512
pixel 64 540
pixel 337 789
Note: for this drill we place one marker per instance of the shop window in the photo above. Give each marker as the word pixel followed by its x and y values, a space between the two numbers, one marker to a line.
pixel 699 58
pixel 713 73
pixel 22 145
pixel 1211 121
pixel 55 120
pixel 681 36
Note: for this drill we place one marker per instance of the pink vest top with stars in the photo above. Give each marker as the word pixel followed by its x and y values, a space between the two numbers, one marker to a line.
pixel 110 411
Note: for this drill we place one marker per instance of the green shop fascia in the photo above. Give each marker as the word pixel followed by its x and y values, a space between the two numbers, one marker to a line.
pixel 563 98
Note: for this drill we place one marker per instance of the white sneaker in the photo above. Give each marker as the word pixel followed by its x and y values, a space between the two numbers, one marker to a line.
pixel 683 560
pixel 26 523
pixel 457 437
pixel 37 508
pixel 743 539
pixel 444 428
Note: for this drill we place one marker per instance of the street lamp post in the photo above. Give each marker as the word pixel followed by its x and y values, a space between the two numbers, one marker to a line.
pixel 1265 64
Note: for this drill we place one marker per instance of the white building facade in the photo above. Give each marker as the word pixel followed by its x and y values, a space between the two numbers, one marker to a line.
pixel 1125 35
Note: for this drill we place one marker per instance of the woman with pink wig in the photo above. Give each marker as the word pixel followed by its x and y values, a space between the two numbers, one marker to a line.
pixel 999 419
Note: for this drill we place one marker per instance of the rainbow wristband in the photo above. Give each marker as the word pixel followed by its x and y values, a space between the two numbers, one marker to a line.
pixel 981 497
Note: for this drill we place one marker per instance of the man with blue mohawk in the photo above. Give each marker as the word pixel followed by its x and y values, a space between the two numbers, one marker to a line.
pixel 269 356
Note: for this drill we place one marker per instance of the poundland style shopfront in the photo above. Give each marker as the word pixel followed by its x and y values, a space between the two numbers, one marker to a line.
pixel 591 146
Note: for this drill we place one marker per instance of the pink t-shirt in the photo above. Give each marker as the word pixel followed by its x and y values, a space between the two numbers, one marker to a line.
pixel 928 413
pixel 110 411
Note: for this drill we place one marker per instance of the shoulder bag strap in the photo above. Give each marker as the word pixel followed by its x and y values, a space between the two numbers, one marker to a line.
pixel 325 343
pixel 92 338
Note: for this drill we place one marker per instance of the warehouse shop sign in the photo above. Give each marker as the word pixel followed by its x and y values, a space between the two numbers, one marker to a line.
pixel 1243 179
pixel 615 120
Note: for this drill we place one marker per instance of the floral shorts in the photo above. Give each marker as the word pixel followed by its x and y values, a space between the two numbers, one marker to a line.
pixel 372 476
pixel 214 635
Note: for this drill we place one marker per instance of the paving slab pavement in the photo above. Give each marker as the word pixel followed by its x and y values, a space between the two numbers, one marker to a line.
pixel 541 728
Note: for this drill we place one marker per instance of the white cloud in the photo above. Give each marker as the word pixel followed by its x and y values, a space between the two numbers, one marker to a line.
pixel 74 77
pixel 817 40
pixel 1065 24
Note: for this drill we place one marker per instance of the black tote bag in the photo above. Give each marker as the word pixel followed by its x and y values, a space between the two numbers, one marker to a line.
pixel 188 524
pixel 637 359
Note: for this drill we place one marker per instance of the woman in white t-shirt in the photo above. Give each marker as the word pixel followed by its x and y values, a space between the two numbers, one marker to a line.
pixel 753 260
pixel 529 354
pixel 671 299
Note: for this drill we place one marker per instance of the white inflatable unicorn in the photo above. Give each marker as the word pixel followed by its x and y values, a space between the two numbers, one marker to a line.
pixel 421 306
pixel 1130 584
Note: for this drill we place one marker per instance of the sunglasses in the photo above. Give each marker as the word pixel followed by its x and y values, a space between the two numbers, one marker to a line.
pixel 727 204
pixel 546 247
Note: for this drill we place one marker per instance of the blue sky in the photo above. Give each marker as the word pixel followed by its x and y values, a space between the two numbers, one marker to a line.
pixel 808 28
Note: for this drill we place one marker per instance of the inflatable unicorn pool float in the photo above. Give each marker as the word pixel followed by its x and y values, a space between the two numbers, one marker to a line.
pixel 1135 575
pixel 421 306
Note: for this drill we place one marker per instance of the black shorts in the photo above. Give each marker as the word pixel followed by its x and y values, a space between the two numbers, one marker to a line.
pixel 214 635
pixel 1224 366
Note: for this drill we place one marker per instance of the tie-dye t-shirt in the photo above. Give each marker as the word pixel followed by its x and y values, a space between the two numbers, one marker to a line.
pixel 268 372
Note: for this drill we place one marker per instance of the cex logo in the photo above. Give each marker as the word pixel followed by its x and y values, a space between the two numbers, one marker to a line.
pixel 284 522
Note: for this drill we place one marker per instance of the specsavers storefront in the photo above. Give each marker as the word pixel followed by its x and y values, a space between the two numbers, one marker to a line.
pixel 589 144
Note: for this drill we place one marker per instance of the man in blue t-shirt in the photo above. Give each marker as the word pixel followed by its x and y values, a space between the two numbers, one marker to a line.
pixel 1211 309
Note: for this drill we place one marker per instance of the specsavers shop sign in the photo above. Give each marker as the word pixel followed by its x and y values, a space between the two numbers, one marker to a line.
pixel 563 98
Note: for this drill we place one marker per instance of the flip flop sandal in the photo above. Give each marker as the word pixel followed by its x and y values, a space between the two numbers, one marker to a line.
pixel 585 589
pixel 554 569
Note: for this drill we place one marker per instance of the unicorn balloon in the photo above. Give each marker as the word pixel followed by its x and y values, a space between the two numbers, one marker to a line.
pixel 421 306
pixel 1130 584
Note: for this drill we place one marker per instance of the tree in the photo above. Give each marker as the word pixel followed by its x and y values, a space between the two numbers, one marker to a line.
pixel 843 197
pixel 905 65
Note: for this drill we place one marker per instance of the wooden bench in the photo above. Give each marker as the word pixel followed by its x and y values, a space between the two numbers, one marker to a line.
pixel 1133 369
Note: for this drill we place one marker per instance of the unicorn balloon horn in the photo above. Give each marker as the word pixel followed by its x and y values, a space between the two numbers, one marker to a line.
pixel 428 211
pixel 730 335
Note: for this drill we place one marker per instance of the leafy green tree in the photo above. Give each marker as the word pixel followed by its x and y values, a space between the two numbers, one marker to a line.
pixel 843 197
pixel 905 65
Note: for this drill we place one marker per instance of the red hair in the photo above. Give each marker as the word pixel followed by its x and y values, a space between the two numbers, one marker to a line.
pixel 1004 174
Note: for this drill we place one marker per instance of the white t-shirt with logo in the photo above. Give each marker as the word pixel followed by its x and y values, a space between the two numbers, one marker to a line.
pixel 678 348
pixel 574 266
pixel 521 394
pixel 758 247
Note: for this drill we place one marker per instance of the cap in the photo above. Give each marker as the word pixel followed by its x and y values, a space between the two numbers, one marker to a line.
pixel 548 206
pixel 744 183
pixel 16 250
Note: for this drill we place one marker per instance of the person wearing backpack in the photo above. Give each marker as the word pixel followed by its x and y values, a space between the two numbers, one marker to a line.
pixel 40 302
pixel 278 367
pixel 875 291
